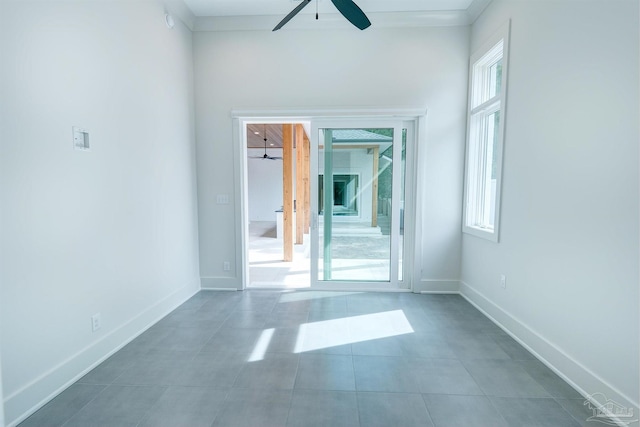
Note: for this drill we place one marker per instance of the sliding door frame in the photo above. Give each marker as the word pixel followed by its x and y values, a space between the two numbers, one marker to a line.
pixel 393 284
pixel 414 120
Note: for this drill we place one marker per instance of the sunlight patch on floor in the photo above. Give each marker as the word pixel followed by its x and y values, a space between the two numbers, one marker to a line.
pixel 311 295
pixel 261 346
pixel 349 330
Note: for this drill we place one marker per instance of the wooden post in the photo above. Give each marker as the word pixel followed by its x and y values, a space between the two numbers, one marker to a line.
pixel 287 190
pixel 374 188
pixel 300 188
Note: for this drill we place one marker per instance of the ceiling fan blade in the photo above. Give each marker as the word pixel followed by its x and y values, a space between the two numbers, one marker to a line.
pixel 353 13
pixel 293 13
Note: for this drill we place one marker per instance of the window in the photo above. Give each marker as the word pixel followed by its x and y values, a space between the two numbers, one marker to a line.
pixel 487 94
pixel 345 195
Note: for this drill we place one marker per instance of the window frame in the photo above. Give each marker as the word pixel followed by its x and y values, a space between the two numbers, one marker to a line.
pixel 480 107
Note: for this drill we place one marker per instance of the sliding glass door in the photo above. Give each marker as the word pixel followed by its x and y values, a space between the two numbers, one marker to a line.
pixel 358 188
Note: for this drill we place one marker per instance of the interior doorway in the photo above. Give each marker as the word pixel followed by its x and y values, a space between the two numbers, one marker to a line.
pixel 278 240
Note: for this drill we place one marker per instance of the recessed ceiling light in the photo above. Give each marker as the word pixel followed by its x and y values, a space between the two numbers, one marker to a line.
pixel 272 144
pixel 257 133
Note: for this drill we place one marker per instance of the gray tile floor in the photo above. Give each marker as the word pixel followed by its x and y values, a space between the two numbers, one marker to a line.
pixel 267 358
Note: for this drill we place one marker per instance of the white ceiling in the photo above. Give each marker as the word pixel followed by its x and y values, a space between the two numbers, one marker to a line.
pixel 205 8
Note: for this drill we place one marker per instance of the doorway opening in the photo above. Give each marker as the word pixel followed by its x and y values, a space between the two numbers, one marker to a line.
pixel 278 209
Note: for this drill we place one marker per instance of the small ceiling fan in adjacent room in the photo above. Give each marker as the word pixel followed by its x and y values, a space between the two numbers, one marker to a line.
pixel 265 156
pixel 347 8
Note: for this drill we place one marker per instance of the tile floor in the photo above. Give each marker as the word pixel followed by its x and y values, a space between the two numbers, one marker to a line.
pixel 267 358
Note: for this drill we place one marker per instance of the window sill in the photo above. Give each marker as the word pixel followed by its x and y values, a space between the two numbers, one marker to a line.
pixel 483 233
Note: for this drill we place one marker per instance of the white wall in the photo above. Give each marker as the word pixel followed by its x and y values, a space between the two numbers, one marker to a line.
pixel 110 231
pixel 264 185
pixel 410 67
pixel 569 232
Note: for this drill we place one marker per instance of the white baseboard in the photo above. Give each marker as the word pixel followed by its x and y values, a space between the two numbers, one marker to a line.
pixel 436 287
pixel 220 283
pixel 20 404
pixel 581 378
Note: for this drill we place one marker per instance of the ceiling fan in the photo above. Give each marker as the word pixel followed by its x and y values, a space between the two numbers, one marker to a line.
pixel 347 8
pixel 266 156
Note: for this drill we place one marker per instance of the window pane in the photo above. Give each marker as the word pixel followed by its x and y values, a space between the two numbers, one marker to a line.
pixel 489 192
pixel 495 128
pixel 495 78
pixel 487 76
pixel 345 194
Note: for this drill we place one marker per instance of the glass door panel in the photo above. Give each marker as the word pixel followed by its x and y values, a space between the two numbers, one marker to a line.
pixel 356 210
pixel 403 171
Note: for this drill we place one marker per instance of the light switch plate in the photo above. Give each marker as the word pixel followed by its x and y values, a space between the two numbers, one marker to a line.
pixel 81 139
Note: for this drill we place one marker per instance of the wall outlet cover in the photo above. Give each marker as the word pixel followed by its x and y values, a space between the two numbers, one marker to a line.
pixel 81 139
pixel 95 322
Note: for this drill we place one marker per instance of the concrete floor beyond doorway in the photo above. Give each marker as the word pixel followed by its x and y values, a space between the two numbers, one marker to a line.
pixel 360 253
pixel 266 267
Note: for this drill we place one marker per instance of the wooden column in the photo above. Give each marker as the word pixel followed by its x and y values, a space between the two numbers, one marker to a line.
pixel 300 187
pixel 287 191
pixel 374 188
pixel 307 184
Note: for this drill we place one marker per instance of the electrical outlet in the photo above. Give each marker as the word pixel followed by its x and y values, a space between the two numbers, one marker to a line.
pixel 95 322
pixel 503 281
pixel 226 266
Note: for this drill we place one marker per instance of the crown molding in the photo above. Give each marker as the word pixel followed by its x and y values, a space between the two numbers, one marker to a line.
pixel 333 21
pixel 328 20
pixel 476 8
pixel 180 10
